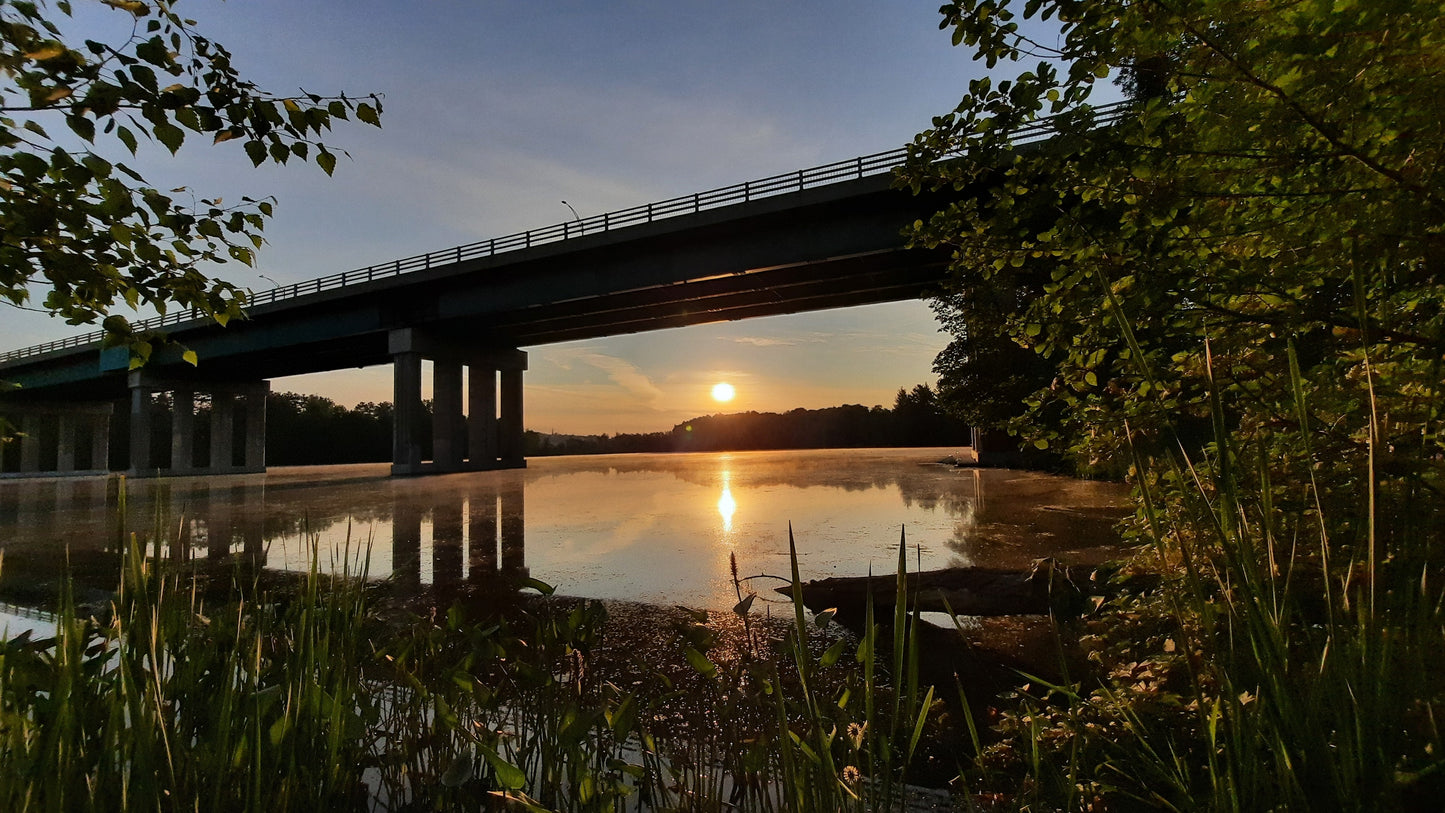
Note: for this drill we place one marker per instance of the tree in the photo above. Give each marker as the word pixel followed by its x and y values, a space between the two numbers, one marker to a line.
pixel 1273 183
pixel 1237 280
pixel 86 229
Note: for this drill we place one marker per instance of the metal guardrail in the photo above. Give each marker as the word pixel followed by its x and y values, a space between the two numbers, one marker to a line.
pixel 772 186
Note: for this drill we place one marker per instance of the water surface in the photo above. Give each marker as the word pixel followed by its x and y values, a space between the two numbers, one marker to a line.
pixel 653 528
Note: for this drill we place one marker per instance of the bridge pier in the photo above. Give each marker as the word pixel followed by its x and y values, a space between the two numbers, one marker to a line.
pixel 228 402
pixel 57 440
pixel 492 426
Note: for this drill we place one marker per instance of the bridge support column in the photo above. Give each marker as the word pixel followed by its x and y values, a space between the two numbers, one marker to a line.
pixel 447 421
pixel 256 427
pixel 224 403
pixel 65 444
pixel 510 422
pixel 183 431
pixel 492 442
pixel 223 427
pixel 100 439
pixel 481 412
pixel 53 439
pixel 406 414
pixel 30 444
pixel 140 429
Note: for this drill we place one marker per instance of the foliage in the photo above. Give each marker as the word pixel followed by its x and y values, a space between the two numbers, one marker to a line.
pixel 86 227
pixel 1237 285
pixel 310 429
pixel 1272 183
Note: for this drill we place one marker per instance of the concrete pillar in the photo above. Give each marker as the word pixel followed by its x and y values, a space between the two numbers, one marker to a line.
pixel 481 534
pixel 255 448
pixel 30 444
pixel 100 441
pixel 223 424
pixel 407 414
pixel 65 443
pixel 183 430
pixel 140 429
pixel 510 422
pixel 481 416
pixel 447 415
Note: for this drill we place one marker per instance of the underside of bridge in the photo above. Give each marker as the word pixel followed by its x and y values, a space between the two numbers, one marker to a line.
pixel 827 247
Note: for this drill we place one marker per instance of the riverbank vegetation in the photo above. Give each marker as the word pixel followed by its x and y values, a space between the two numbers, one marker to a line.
pixel 1235 286
pixel 311 429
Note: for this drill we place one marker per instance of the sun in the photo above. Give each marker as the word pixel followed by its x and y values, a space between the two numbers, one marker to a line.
pixel 723 391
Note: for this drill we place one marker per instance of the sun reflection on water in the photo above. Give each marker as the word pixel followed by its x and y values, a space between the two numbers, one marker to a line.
pixel 726 505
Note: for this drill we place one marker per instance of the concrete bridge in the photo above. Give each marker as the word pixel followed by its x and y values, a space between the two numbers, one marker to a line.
pixel 825 237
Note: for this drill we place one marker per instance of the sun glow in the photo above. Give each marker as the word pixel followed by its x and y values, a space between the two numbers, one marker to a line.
pixel 723 391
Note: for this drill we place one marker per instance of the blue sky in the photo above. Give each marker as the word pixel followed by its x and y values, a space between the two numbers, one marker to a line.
pixel 495 112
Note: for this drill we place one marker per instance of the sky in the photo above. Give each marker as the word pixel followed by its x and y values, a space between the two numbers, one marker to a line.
pixel 496 112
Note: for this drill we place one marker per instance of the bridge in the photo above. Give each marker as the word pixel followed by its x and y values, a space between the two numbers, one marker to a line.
pixel 825 237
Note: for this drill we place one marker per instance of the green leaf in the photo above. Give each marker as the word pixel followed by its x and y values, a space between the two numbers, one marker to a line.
pixel 256 151
pixel 538 585
pixel 367 114
pixel 699 662
pixel 459 772
pixel 81 126
pixel 189 357
pixel 169 135
pixel 127 138
pixel 326 161
pixel 833 653
pixel 508 775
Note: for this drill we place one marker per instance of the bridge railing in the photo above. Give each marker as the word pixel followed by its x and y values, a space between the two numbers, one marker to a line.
pixel 836 172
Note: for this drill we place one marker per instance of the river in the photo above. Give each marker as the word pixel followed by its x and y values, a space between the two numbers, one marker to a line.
pixel 652 528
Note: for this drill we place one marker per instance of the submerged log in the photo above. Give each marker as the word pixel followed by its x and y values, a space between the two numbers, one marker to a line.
pixel 1043 589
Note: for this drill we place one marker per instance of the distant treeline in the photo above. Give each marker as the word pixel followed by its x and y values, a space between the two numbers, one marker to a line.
pixel 310 429
pixel 916 419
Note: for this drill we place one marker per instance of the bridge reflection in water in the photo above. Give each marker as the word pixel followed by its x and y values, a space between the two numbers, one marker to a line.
pixel 475 538
pixel 655 528
pixel 474 532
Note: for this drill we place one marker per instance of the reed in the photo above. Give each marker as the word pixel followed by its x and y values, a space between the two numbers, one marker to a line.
pixel 1292 660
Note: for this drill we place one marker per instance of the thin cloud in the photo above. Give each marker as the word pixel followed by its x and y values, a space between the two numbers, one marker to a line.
pixel 762 341
pixel 624 374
